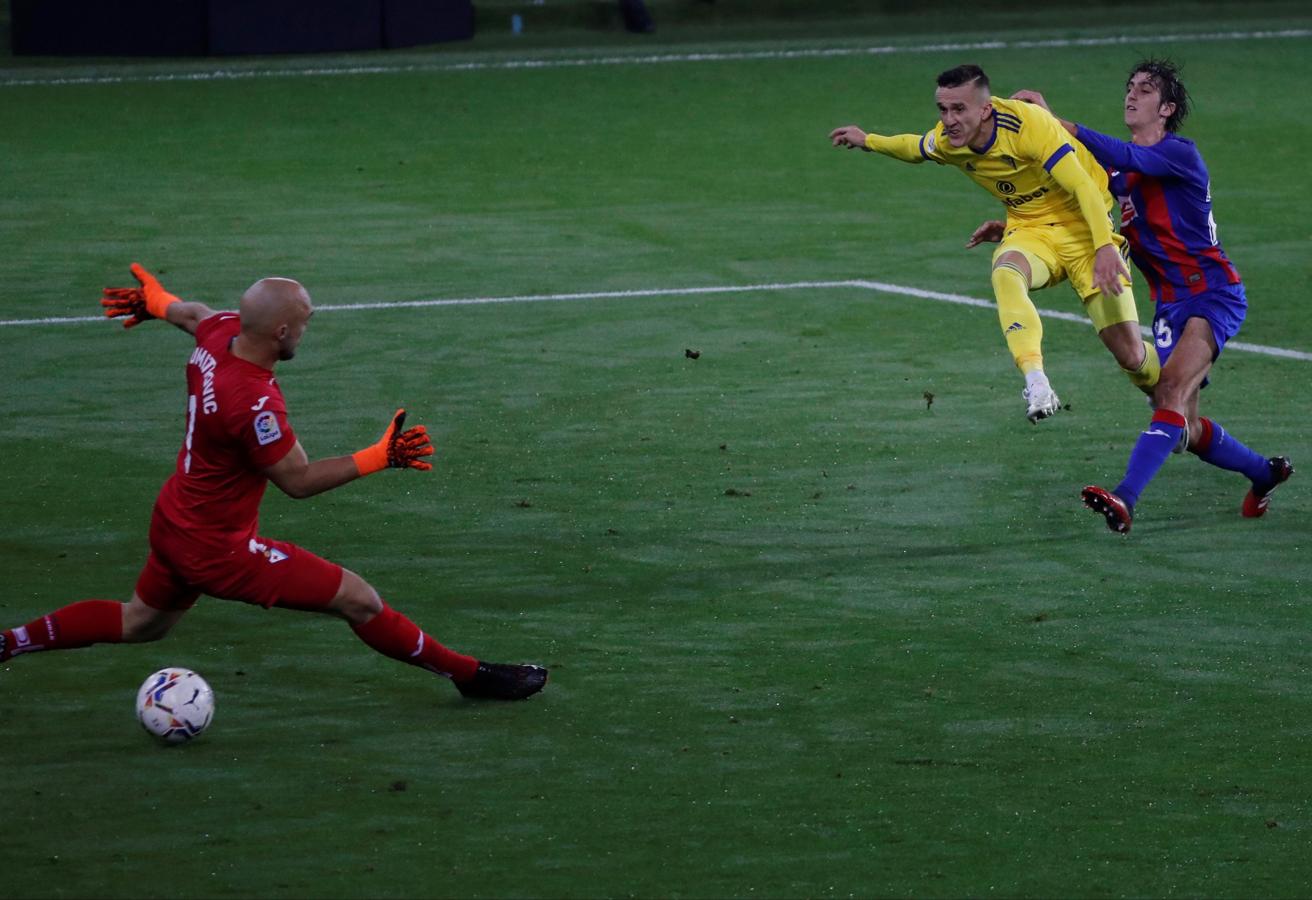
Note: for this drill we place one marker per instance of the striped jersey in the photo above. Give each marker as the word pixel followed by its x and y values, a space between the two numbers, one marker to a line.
pixel 1166 213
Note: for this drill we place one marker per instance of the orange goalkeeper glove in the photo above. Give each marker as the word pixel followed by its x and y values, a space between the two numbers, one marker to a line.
pixel 396 449
pixel 150 301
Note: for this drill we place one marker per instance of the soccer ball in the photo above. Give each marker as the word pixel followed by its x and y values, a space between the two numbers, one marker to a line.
pixel 175 705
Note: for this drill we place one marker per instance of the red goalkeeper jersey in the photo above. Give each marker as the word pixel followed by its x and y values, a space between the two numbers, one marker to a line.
pixel 236 427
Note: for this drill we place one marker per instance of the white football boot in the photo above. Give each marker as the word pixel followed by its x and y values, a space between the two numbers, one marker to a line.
pixel 1041 399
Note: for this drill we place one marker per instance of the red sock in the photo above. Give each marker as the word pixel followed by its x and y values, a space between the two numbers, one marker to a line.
pixel 392 634
pixel 76 625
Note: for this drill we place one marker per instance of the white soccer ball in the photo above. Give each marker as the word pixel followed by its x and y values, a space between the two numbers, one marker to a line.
pixel 175 705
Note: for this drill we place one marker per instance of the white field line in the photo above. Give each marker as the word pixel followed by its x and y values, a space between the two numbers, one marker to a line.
pixel 880 287
pixel 22 78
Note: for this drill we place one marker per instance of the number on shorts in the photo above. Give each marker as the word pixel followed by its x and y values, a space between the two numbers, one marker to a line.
pixel 1162 332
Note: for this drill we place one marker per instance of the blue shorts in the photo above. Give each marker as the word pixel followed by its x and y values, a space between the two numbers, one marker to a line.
pixel 1223 308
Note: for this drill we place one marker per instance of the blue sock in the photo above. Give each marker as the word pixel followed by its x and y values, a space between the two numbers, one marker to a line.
pixel 1150 451
pixel 1218 448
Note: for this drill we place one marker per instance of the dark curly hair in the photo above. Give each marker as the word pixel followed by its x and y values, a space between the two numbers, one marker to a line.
pixel 1166 75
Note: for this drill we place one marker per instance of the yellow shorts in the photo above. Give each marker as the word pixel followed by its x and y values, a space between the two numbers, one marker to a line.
pixel 1064 248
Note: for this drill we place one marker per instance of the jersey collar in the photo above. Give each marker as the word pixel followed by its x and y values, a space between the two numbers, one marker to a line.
pixel 992 137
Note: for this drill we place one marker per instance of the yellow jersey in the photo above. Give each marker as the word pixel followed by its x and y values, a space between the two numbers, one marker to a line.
pixel 1029 163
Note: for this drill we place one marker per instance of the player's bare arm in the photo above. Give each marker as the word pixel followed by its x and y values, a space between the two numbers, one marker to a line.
pixel 187 315
pixel 1037 99
pixel 398 448
pixel 1108 270
pixel 849 136
pixel 298 477
pixel 152 301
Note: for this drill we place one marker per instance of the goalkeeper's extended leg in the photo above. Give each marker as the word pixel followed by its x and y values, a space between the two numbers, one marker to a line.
pixel 77 625
pixel 85 623
pixel 393 634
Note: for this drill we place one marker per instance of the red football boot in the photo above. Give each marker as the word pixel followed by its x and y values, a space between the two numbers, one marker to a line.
pixel 1112 508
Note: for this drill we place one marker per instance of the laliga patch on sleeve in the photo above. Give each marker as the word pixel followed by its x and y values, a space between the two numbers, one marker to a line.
pixel 266 428
pixel 931 143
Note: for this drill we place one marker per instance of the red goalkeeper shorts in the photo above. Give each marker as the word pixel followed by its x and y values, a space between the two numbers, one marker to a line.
pixel 260 571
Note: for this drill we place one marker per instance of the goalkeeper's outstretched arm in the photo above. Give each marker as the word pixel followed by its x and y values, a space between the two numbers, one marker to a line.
pixel 151 301
pixel 398 448
pixel 187 315
pixel 299 478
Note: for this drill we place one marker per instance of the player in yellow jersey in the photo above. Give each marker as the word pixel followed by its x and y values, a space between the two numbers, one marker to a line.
pixel 1059 224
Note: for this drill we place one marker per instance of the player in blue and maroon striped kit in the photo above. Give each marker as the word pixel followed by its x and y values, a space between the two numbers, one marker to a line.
pixel 1166 214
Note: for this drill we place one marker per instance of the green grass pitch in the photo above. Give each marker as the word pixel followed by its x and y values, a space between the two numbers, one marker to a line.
pixel 811 634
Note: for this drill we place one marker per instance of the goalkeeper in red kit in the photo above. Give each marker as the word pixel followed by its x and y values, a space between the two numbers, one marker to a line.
pixel 204 531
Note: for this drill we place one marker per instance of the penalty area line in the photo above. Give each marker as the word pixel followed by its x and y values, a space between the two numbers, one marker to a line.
pixel 878 287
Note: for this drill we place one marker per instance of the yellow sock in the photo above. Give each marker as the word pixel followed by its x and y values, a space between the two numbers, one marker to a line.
pixel 1145 377
pixel 1018 318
